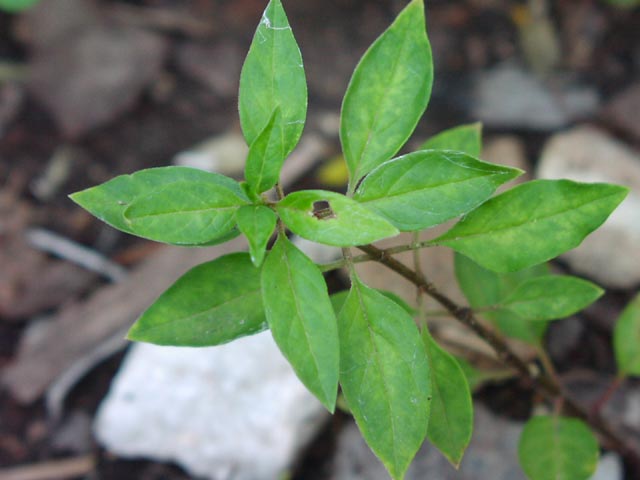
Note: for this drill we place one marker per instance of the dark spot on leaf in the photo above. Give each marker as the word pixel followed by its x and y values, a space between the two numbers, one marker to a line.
pixel 322 210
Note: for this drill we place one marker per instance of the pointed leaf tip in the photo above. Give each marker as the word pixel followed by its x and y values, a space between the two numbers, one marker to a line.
pixel 273 76
pixel 387 94
pixel 213 303
pixel 385 375
pixel 532 223
pixel 451 420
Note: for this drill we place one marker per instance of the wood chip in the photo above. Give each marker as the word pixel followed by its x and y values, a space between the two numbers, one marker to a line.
pixel 53 470
pixel 62 247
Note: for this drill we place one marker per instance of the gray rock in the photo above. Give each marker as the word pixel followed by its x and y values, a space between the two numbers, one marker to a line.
pixel 611 254
pixel 623 109
pixel 491 454
pixel 235 411
pixel 510 97
pixel 563 337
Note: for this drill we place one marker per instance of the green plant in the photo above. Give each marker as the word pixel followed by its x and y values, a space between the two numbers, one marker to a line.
pixel 16 5
pixel 398 383
pixel 624 3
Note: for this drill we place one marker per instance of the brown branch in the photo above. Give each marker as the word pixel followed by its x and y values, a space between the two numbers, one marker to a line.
pixel 606 396
pixel 541 382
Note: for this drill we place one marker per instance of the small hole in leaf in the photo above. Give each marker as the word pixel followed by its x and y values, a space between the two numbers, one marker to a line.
pixel 322 210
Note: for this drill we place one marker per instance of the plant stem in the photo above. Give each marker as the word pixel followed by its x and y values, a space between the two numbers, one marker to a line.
pixel 406 248
pixel 541 382
pixel 366 257
pixel 422 318
pixel 548 366
pixel 348 260
pixel 280 195
pixel 326 267
pixel 607 395
pixel 463 314
pixel 437 313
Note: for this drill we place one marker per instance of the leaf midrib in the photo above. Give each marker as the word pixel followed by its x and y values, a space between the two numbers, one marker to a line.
pixel 203 312
pixel 525 222
pixel 385 196
pixel 300 316
pixel 221 209
pixel 387 395
pixel 381 101
pixel 436 386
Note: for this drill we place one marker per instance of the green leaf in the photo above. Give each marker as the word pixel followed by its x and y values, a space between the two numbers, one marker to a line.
pixel 109 201
pixel 332 219
pixel 387 94
pixel 624 3
pixel 426 188
pixel 550 297
pixel 451 421
pixel 626 339
pixel 266 155
pixel 16 5
pixel 384 373
pixel 273 77
pixel 558 448
pixel 338 299
pixel 213 303
pixel 465 138
pixel 185 212
pixel 215 241
pixel 257 223
pixel 484 288
pixel 476 377
pixel 532 223
pixel 301 318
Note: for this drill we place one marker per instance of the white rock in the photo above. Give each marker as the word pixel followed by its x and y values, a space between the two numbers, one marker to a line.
pixel 235 411
pixel 223 154
pixel 317 252
pixel 609 468
pixel 611 254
